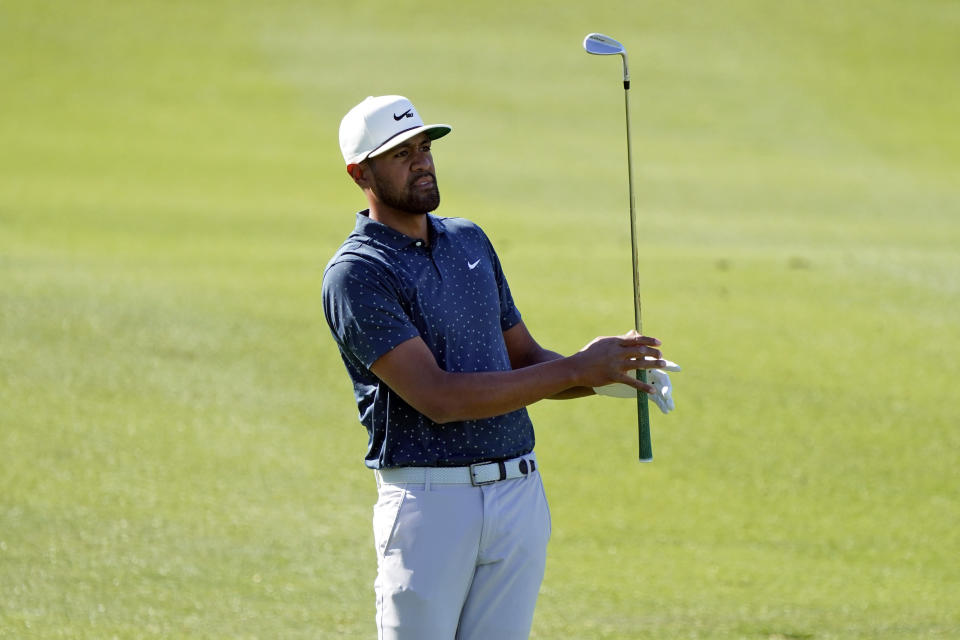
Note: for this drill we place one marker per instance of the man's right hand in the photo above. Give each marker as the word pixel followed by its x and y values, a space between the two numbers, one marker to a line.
pixel 609 359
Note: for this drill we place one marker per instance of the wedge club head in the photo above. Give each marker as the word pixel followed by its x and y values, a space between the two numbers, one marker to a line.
pixel 601 45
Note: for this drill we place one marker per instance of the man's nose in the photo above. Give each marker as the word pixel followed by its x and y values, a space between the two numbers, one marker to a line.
pixel 422 161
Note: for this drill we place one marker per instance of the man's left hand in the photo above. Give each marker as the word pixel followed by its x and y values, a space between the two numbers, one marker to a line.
pixel 663 397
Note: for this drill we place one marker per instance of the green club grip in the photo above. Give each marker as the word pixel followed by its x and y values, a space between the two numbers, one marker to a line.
pixel 643 421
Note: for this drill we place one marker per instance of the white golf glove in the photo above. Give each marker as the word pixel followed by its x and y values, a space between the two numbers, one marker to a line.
pixel 663 398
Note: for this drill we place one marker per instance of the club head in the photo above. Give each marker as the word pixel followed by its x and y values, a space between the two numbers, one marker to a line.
pixel 601 45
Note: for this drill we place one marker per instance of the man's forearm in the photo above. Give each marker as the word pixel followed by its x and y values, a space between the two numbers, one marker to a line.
pixel 471 396
pixel 545 355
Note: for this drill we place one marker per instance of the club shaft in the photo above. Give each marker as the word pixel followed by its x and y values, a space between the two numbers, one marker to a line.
pixel 637 313
pixel 643 413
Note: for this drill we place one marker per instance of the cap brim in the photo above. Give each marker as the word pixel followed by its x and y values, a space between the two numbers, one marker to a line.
pixel 434 131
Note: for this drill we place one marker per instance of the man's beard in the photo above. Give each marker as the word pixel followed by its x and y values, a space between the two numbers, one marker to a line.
pixel 412 200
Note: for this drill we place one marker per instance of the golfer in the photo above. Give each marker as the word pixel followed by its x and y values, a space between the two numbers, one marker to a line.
pixel 443 367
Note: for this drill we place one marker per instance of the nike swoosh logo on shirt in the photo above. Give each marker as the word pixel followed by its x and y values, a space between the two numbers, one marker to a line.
pixel 473 265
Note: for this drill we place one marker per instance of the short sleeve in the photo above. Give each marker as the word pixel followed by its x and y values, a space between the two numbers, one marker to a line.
pixel 363 307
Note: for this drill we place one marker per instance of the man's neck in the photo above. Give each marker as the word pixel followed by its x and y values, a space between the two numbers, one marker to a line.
pixel 409 224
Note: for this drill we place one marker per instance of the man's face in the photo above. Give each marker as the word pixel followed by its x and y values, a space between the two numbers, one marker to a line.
pixel 404 177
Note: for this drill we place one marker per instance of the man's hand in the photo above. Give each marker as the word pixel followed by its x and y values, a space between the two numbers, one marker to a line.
pixel 608 360
pixel 663 397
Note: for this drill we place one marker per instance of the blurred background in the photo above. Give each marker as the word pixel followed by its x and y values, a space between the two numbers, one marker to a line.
pixel 179 450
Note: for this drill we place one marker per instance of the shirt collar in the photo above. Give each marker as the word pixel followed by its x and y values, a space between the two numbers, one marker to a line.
pixel 366 226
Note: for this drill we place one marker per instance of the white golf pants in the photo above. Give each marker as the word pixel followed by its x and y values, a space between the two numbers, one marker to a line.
pixel 459 562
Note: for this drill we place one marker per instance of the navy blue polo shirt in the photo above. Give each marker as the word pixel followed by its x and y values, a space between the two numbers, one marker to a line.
pixel 383 288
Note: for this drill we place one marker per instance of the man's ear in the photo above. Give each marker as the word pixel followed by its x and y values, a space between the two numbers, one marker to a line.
pixel 360 174
pixel 353 170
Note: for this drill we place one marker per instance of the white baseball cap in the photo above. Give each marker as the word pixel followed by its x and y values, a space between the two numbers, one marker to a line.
pixel 380 123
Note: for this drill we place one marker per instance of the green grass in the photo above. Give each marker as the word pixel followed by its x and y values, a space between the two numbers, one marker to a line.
pixel 179 451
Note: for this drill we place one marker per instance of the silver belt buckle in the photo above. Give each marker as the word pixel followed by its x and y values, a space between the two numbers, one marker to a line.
pixel 473 473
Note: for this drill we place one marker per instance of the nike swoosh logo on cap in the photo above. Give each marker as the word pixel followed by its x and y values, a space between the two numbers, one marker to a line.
pixel 473 265
pixel 405 114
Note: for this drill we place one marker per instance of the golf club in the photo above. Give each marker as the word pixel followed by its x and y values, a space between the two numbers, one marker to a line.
pixel 601 45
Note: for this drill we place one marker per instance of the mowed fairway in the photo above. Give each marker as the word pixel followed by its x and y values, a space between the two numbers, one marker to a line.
pixel 179 450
